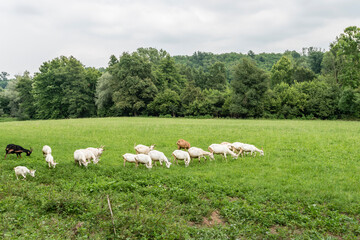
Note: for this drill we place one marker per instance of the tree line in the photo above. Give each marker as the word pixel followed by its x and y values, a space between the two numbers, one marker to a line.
pixel 149 82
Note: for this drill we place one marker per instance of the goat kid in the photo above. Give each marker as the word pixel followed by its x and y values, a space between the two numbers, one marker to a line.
pixel 23 171
pixel 50 160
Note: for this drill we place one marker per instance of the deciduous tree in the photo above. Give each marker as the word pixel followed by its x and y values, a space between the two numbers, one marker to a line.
pixel 249 86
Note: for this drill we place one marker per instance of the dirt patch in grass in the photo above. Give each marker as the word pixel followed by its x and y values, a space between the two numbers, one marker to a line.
pixel 215 219
pixel 273 230
pixel 76 228
pixel 334 236
pixel 285 231
pixel 233 199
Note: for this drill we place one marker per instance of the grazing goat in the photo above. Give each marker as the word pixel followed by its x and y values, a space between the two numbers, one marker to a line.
pixel 159 156
pixel 222 150
pixel 229 145
pixel 46 150
pixel 12 148
pixel 23 171
pixel 181 143
pixel 129 157
pixel 251 149
pixel 181 155
pixel 195 152
pixel 143 159
pixel 97 152
pixel 89 155
pixel 50 160
pixel 143 149
pixel 79 157
pixel 238 146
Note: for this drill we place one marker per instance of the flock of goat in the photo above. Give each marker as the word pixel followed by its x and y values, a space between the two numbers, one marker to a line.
pixel 144 154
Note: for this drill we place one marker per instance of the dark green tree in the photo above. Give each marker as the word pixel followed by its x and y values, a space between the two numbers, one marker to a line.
pixel 322 99
pixel 153 55
pixel 3 79
pixel 168 76
pixel 10 99
pixel 3 76
pixel 314 58
pixel 201 78
pixel 249 85
pixel 346 50
pixel 63 88
pixel 27 108
pixel 133 86
pixel 113 60
pixel 214 102
pixel 349 102
pixel 282 71
pixel 343 62
pixel 167 102
pixel 188 95
pixel 104 95
pixel 289 100
pixel 303 74
pixel 217 77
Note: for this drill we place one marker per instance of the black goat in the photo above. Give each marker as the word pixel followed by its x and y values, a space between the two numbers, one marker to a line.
pixel 12 148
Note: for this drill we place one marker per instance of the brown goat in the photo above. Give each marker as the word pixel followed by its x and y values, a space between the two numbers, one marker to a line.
pixel 181 143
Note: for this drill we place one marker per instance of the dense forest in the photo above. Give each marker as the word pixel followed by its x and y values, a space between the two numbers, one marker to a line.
pixel 313 84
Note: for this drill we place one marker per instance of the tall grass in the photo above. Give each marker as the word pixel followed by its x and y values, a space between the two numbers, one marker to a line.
pixel 305 187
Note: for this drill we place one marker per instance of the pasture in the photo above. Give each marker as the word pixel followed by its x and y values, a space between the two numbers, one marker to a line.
pixel 307 186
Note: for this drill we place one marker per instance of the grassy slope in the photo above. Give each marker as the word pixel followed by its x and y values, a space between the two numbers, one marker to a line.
pixel 306 186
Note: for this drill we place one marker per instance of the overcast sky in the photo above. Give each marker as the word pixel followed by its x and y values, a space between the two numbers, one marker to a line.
pixel 35 31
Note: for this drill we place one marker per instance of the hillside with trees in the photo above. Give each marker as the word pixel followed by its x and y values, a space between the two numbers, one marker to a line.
pixel 149 82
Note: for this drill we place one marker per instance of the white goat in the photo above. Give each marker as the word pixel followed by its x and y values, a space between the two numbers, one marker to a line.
pixel 97 152
pixel 79 157
pixel 143 149
pixel 50 160
pixel 143 159
pixel 222 150
pixel 195 152
pixel 129 157
pixel 251 149
pixel 229 145
pixel 89 155
pixel 159 156
pixel 238 146
pixel 46 150
pixel 181 155
pixel 23 171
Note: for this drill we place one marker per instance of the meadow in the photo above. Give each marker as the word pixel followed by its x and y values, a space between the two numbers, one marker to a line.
pixel 307 186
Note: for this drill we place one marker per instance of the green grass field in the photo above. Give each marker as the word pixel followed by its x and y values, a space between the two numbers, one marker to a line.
pixel 307 186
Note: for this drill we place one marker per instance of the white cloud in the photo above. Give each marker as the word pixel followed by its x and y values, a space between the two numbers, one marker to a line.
pixel 35 31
